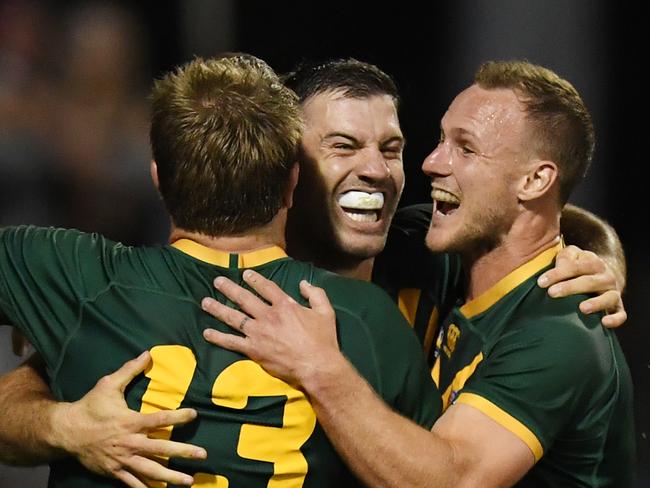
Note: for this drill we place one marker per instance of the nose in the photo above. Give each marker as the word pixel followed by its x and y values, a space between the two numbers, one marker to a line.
pixel 438 162
pixel 373 167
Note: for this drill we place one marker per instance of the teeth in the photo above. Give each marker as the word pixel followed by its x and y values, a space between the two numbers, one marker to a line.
pixel 361 200
pixel 444 196
pixel 362 217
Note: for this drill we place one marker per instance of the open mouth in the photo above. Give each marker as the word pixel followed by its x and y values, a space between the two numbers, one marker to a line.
pixel 362 206
pixel 444 203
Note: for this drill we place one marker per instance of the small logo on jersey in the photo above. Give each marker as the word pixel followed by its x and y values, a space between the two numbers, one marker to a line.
pixel 453 397
pixel 453 334
pixel 441 336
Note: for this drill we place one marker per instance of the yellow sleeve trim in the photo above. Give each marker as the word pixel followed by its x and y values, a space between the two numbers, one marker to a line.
pixel 505 419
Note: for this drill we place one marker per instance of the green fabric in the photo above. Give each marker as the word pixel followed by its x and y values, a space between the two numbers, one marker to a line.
pixel 559 373
pixel 89 304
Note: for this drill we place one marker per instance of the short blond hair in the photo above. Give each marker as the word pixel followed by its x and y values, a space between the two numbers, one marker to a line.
pixel 224 135
pixel 562 129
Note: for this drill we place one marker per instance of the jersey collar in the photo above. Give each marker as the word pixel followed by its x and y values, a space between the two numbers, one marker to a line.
pixel 226 259
pixel 504 286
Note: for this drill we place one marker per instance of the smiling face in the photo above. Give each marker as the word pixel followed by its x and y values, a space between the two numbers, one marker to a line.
pixel 475 170
pixel 351 176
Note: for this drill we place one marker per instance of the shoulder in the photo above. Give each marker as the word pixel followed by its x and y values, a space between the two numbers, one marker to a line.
pixel 554 333
pixel 363 303
pixel 350 293
pixel 56 244
pixel 55 237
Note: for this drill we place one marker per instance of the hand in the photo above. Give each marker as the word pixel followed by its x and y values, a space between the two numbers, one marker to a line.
pixel 110 439
pixel 577 272
pixel 290 341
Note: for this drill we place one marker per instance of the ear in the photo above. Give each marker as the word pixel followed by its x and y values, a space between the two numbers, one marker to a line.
pixel 293 181
pixel 538 181
pixel 153 170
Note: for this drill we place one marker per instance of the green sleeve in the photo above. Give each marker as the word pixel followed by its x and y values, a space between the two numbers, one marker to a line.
pixel 392 360
pixel 45 275
pixel 542 375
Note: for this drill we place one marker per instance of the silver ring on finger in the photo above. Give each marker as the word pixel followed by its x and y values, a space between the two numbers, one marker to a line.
pixel 242 324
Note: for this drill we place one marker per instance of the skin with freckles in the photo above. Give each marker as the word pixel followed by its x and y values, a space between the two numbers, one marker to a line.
pixel 478 137
pixel 484 160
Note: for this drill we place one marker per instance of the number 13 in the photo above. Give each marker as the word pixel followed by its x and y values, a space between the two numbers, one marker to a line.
pixel 171 373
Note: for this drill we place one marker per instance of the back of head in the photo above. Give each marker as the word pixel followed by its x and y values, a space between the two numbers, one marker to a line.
pixel 562 130
pixel 355 79
pixel 224 134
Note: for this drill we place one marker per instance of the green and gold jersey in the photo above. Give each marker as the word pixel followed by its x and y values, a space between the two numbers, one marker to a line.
pixel 424 285
pixel 554 377
pixel 89 304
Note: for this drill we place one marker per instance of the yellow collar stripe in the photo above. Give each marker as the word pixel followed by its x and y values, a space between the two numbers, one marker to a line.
pixel 222 258
pixel 510 282
pixel 504 419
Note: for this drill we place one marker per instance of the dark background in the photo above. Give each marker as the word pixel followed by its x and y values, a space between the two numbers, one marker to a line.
pixel 431 51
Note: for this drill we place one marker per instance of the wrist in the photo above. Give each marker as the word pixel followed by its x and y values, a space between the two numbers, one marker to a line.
pixel 61 434
pixel 326 378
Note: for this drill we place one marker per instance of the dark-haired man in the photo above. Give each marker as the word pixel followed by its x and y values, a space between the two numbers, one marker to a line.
pixel 535 393
pixel 224 134
pixel 351 180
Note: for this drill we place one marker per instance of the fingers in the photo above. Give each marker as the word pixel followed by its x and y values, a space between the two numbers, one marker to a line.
pixel 318 300
pixel 166 418
pixel 246 300
pixel 614 320
pixel 128 479
pixel 266 288
pixel 227 341
pixel 572 262
pixel 169 449
pixel 580 285
pixel 128 371
pixel 584 284
pixel 229 316
pixel 610 303
pixel 610 300
pixel 146 468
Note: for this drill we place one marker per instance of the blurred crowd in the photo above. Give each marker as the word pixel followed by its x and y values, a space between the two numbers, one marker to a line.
pixel 74 148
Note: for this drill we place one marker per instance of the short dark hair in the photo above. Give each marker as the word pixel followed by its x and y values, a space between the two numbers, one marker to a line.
pixel 224 135
pixel 562 128
pixel 356 79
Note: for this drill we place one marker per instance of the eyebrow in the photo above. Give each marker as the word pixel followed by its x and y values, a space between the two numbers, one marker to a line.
pixel 460 131
pixel 333 135
pixel 356 141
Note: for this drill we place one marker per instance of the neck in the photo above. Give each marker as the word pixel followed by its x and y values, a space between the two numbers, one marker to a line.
pixel 359 271
pixel 269 235
pixel 529 235
pixel 342 265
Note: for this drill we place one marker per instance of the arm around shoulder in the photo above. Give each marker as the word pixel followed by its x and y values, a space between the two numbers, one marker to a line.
pixel 589 232
pixel 28 412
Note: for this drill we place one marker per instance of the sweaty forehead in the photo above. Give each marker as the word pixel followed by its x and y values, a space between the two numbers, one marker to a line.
pixel 478 110
pixel 369 117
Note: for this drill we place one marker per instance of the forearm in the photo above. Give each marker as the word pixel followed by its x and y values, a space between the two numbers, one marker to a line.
pixel 589 232
pixel 27 434
pixel 381 447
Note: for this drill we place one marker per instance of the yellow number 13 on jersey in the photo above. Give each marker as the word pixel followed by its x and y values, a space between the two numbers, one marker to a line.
pixel 175 365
